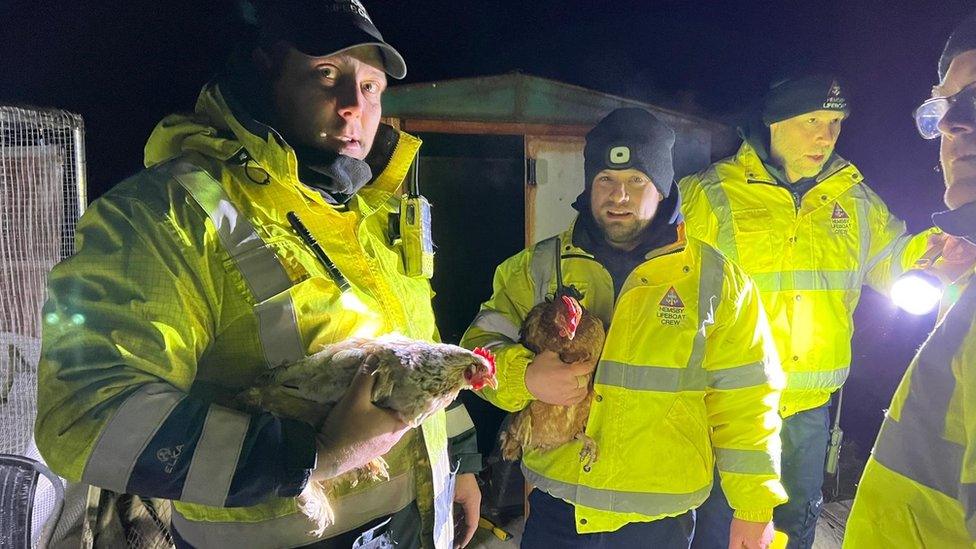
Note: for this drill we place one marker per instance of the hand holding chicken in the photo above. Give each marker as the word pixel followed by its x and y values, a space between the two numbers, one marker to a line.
pixel 408 379
pixel 561 328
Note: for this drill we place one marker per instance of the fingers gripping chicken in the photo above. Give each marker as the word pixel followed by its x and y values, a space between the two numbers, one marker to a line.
pixel 414 379
pixel 563 326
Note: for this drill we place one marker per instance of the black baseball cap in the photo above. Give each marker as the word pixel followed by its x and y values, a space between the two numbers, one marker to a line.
pixel 321 27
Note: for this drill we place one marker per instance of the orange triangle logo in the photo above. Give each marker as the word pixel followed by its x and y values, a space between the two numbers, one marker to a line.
pixel 839 212
pixel 672 299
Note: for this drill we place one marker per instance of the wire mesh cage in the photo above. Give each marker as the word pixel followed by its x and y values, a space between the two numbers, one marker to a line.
pixel 42 195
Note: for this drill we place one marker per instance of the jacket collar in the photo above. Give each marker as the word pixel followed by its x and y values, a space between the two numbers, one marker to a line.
pixel 571 247
pixel 960 222
pixel 757 172
pixel 214 130
pixel 836 177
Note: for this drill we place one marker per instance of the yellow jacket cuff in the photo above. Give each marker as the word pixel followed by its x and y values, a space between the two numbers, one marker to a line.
pixel 756 515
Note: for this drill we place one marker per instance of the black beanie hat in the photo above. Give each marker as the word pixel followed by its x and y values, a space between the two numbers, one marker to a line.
pixel 630 138
pixel 962 39
pixel 796 96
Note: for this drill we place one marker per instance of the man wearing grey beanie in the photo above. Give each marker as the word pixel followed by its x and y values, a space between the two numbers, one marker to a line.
pixel 802 222
pixel 686 373
pixel 919 485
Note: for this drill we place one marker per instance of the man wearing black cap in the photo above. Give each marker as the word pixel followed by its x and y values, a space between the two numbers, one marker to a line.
pixel 686 380
pixel 258 233
pixel 918 486
pixel 800 220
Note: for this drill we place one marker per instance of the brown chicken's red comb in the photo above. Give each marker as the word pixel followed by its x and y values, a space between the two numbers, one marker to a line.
pixel 487 355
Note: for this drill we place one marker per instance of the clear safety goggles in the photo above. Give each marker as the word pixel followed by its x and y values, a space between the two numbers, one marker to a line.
pixel 931 112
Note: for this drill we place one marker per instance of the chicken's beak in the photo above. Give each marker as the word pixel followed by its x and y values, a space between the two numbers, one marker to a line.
pixel 492 382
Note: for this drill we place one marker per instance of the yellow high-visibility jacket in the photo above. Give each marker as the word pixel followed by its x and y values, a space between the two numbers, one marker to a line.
pixel 188 283
pixel 919 486
pixel 688 378
pixel 809 260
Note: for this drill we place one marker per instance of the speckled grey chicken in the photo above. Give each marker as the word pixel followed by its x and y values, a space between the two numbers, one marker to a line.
pixel 413 378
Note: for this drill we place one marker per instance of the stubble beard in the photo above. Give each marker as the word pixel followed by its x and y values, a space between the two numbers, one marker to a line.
pixel 622 234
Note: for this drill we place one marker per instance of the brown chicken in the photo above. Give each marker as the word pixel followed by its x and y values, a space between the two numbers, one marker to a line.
pixel 413 378
pixel 563 326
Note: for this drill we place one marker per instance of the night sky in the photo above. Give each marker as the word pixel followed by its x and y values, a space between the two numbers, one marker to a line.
pixel 125 65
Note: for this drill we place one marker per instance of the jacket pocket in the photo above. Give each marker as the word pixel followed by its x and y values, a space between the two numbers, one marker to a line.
pixel 668 455
pixel 689 426
pixel 753 228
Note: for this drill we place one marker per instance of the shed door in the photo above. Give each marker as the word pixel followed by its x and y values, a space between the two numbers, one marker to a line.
pixel 553 179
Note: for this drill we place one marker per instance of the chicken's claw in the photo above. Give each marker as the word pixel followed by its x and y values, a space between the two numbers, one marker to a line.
pixel 375 470
pixel 588 452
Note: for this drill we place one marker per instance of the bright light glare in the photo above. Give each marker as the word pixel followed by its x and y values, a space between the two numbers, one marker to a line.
pixel 369 322
pixel 916 292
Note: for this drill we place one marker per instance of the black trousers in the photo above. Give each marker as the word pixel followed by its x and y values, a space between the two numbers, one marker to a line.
pixel 400 530
pixel 552 524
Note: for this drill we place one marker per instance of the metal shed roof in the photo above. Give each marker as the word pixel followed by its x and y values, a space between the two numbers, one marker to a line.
pixel 525 99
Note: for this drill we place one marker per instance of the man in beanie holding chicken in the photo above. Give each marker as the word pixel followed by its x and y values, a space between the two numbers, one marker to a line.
pixel 802 222
pixel 687 379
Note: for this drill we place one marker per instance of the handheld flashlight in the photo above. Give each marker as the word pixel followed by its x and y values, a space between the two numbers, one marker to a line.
pixel 918 291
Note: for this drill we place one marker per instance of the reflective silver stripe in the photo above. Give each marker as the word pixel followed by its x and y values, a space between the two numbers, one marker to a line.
pixel 928 459
pixel 497 323
pixel 650 378
pixel 863 205
pixel 710 281
pixel 214 460
pixel 915 446
pixel 750 462
pixel 807 280
pixel 799 381
pixel 967 495
pixel 292 530
pixel 897 250
pixel 490 345
pixel 722 210
pixel 458 421
pixel 648 504
pixel 443 516
pixel 543 266
pixel 258 264
pixel 892 249
pixel 127 434
pixel 739 377
pixel 442 472
pixel 278 330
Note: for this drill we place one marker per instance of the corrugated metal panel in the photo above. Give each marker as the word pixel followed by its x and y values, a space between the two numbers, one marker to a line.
pixel 489 98
pixel 518 97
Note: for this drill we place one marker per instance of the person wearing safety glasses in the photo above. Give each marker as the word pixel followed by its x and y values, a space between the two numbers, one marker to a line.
pixel 919 486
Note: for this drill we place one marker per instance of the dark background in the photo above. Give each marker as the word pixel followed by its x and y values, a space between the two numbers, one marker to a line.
pixel 124 65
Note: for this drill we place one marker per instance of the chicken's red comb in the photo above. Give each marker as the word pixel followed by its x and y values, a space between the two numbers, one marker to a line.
pixel 487 355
